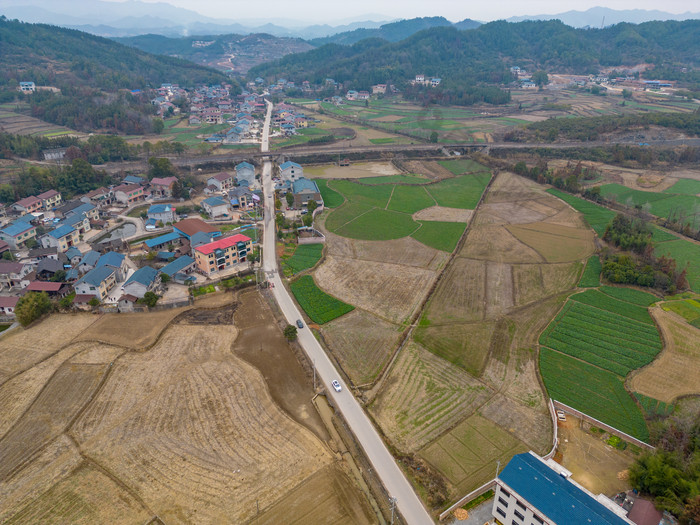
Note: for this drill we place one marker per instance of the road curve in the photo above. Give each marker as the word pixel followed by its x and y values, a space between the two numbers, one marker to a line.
pixel 407 501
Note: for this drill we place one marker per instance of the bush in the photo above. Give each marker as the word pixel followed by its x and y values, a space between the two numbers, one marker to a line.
pixel 32 306
pixel 290 332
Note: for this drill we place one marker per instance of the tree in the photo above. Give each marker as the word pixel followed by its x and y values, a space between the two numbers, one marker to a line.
pixel 290 198
pixel 290 332
pixel 94 302
pixel 31 243
pixel 540 78
pixel 59 276
pixel 160 167
pixel 149 299
pixel 311 206
pixel 434 137
pixel 627 94
pixel 7 256
pixel 164 278
pixel 32 306
pixel 308 219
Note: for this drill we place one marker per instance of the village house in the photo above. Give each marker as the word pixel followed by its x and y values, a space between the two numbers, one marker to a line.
pixel 7 307
pixel 27 87
pixel 17 233
pixel 222 253
pixel 351 95
pixel 290 171
pixel 379 89
pixel 28 205
pixel 163 213
pixel 88 262
pixel 61 238
pixel 37 254
pixel 73 255
pixel 126 303
pixel 97 282
pixel 363 95
pixel 162 187
pixel 222 181
pixel 216 207
pixel 114 260
pixel 47 269
pixel 188 227
pixel 57 290
pixel 12 274
pixel 128 194
pixel 50 199
pixel 99 197
pixel 241 198
pixel 245 174
pixel 143 280
pixel 162 241
pixel 178 269
pixel 305 190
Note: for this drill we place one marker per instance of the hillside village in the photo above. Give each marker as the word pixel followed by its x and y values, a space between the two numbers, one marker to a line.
pixel 95 250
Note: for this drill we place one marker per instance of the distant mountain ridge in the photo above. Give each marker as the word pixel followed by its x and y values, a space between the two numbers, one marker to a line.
pixel 394 31
pixel 604 16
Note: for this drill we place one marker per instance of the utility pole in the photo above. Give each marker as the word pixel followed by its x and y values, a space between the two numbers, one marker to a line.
pixel 392 501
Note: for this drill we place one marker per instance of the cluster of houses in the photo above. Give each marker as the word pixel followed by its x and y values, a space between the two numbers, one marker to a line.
pixel 422 80
pixel 166 94
pixel 288 119
pixel 291 179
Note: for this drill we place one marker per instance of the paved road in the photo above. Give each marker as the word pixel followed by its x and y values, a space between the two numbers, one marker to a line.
pixel 382 461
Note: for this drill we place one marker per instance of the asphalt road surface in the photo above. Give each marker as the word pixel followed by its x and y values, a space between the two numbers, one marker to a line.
pixel 383 463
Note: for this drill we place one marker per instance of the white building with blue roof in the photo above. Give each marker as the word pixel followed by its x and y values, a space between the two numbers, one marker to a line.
pixel 306 190
pixel 245 174
pixel 532 491
pixel 291 171
pixel 114 260
pixel 61 238
pixel 164 213
pixel 143 280
pixel 216 206
pixel 16 234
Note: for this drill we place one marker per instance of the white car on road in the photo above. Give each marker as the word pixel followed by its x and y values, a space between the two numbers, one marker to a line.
pixel 336 385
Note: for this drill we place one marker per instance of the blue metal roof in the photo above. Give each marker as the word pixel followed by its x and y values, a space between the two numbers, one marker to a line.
pixel 214 201
pixel 61 231
pixel 73 252
pixel 26 218
pixel 160 208
pixel 304 184
pixel 111 259
pixel 289 164
pixel 17 228
pixel 145 276
pixel 90 258
pixel 163 239
pixel 553 495
pixel 133 179
pixel 96 275
pixel 83 208
pixel 244 164
pixel 177 265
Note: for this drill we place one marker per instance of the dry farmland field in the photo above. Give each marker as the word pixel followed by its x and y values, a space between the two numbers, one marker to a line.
pixel 175 422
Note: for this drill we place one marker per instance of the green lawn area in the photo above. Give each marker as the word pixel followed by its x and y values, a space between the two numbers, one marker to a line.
pixel 591 275
pixel 440 235
pixel 460 192
pixel 331 198
pixel 410 199
pixel 305 256
pixel 596 216
pixel 685 186
pixel 318 305
pixel 386 140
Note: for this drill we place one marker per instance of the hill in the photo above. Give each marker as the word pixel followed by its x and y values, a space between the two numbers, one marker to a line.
pixel 484 54
pixel 604 16
pixel 232 52
pixel 392 32
pixel 89 71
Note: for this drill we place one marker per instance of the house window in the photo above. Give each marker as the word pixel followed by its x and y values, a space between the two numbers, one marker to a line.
pixel 503 502
pixel 538 519
pixel 520 505
pixel 501 511
pixel 505 493
pixel 519 515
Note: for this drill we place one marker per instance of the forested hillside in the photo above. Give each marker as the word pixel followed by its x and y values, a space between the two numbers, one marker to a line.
pixel 89 71
pixel 483 55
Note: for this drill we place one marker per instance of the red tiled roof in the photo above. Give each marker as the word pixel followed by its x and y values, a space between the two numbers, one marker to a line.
pixel 47 194
pixel 222 176
pixel 8 302
pixel 163 181
pixel 27 201
pixel 222 244
pixel 44 286
pixel 83 298
pixel 128 297
pixel 127 188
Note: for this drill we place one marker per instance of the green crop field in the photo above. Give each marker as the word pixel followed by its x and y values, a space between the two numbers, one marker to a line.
pixel 318 305
pixel 379 225
pixel 685 186
pixel 686 254
pixel 346 213
pixel 591 275
pixel 460 192
pixel 688 309
pixel 460 166
pixel 440 235
pixel 596 216
pixel 597 392
pixel 305 256
pixel 630 295
pixel 654 407
pixel 659 204
pixel 386 140
pixel 410 199
pixel 331 198
pixel 405 178
pixel 604 334
pixel 659 235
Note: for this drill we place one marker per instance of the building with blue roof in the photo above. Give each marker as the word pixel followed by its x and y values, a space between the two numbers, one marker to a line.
pixel 532 491
pixel 17 233
pixel 134 179
pixel 306 190
pixel 143 280
pixel 61 238
pixel 114 260
pixel 164 213
pixel 291 171
pixel 89 261
pixel 97 282
pixel 245 174
pixel 74 255
pixel 162 241
pixel 184 264
pixel 216 206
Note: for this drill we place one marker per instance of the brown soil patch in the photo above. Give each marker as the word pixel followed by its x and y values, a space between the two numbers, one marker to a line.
pixel 25 347
pixel 556 243
pixel 142 331
pixel 499 289
pixel 592 462
pixel 215 316
pixel 354 171
pixel 405 252
pixel 194 432
pixel 439 213
pixel 496 243
pixel 429 168
pixel 460 296
pixel 537 281
pixel 531 426
pixel 362 343
pixel 670 375
pixel 326 497
pixel 261 343
pixel 390 291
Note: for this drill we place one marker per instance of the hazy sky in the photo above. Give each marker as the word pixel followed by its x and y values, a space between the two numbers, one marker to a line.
pixel 335 10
